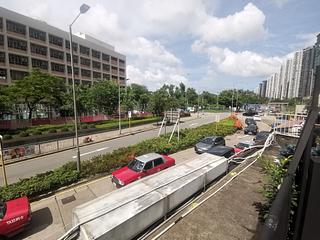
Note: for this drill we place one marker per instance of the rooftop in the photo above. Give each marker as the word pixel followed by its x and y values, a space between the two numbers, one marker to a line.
pixel 148 157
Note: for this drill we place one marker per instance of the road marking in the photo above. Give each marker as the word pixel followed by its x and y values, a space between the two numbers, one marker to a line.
pixel 87 153
pixel 192 124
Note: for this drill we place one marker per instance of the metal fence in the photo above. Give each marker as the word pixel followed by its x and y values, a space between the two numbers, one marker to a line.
pixel 289 124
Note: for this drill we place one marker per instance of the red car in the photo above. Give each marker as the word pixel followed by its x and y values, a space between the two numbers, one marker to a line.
pixel 140 167
pixel 15 215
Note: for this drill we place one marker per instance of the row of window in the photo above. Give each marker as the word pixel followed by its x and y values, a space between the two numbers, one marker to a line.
pixel 18 75
pixel 56 40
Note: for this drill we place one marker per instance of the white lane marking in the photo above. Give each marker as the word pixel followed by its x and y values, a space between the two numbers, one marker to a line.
pixel 87 153
pixel 192 124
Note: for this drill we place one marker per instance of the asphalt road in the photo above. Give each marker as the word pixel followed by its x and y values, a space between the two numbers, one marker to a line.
pixel 42 164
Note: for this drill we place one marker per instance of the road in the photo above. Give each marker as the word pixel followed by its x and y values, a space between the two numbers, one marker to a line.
pixel 52 217
pixel 42 164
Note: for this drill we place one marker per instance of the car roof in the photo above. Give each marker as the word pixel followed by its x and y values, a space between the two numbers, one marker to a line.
pixel 148 157
pixel 220 149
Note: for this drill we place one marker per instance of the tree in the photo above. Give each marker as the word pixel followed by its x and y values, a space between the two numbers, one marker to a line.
pixel 6 100
pixel 192 97
pixel 103 96
pixel 141 96
pixel 39 88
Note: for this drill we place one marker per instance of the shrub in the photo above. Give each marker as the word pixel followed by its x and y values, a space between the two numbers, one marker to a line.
pixel 84 126
pixel 7 137
pixel 36 132
pixel 52 131
pixel 65 129
pixel 24 134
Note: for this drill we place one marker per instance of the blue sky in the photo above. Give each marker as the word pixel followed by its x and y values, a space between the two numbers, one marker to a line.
pixel 209 45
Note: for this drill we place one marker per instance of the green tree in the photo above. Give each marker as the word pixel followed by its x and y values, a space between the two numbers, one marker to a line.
pixel 39 88
pixel 192 97
pixel 6 100
pixel 103 97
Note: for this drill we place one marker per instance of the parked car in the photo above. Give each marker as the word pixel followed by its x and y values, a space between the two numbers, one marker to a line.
pixel 209 142
pixel 256 118
pixel 242 145
pixel 261 137
pixel 250 121
pixel 15 215
pixel 223 151
pixel 288 150
pixel 140 167
pixel 251 129
pixel 249 112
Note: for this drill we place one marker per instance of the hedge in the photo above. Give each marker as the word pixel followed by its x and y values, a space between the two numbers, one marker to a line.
pixel 67 174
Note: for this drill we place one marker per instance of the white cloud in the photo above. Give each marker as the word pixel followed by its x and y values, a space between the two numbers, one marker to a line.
pixel 244 26
pixel 242 63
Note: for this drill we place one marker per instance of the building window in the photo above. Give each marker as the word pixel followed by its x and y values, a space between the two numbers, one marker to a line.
pixel 114 78
pixel 37 63
pixel 96 75
pixel 114 70
pixel 106 67
pixel 2 57
pixel 114 61
pixel 84 50
pixel 57 67
pixel 1 23
pixel 56 54
pixel 75 58
pixel 96 65
pixel 121 63
pixel 95 54
pixel 16 27
pixel 1 40
pixel 37 34
pixel 121 71
pixel 18 60
pixel 55 40
pixel 74 45
pixel 17 44
pixel 17 75
pixel 3 73
pixel 106 76
pixel 105 57
pixel 76 70
pixel 85 61
pixel 38 49
pixel 85 73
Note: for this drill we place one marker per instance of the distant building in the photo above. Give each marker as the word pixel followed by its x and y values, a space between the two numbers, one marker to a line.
pixel 307 70
pixel 263 88
pixel 26 43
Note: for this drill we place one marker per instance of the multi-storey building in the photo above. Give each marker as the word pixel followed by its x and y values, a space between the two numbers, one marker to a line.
pixel 26 43
pixel 295 75
pixel 307 72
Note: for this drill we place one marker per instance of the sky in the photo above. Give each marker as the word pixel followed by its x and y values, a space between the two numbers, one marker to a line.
pixel 210 45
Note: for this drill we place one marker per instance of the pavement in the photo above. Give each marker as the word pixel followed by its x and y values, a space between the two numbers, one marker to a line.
pixel 52 216
pixel 113 140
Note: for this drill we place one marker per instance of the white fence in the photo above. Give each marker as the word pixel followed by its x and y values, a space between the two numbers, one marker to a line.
pixel 289 124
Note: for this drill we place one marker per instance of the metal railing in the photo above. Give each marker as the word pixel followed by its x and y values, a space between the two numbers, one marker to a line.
pixel 285 221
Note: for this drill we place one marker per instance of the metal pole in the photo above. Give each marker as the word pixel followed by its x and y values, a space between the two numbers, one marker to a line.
pixel 119 106
pixel 5 181
pixel 232 101
pixel 198 104
pixel 74 99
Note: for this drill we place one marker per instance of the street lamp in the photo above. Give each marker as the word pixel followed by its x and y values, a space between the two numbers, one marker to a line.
pixel 83 9
pixel 119 106
pixel 2 163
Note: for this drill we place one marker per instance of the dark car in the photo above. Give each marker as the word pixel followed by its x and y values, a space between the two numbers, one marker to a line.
pixel 288 151
pixel 209 142
pixel 251 129
pixel 223 151
pixel 250 112
pixel 250 121
pixel 261 137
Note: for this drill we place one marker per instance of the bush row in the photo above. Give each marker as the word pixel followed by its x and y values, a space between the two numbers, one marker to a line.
pixel 67 174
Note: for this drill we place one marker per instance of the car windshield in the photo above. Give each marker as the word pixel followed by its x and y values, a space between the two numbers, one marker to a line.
pixel 242 145
pixel 136 165
pixel 207 140
pixel 3 209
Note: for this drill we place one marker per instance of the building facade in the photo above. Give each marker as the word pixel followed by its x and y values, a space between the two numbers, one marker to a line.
pixel 307 71
pixel 26 43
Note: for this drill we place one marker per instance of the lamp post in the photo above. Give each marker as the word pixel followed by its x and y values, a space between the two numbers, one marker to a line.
pixel 2 163
pixel 83 9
